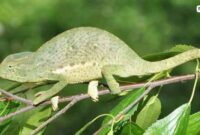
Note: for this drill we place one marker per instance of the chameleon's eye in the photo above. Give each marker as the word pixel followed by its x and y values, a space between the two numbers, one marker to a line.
pixel 9 66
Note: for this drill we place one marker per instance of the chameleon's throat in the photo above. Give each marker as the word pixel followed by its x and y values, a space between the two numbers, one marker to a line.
pixel 158 66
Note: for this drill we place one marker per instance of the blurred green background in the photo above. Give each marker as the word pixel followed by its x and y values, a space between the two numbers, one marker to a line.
pixel 147 26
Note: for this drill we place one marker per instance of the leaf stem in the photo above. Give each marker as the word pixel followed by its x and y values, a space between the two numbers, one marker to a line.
pixel 92 121
pixel 4 109
pixel 195 82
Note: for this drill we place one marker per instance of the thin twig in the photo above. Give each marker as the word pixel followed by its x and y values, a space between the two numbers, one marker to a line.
pixel 30 107
pixel 106 91
pixel 26 101
pixel 62 111
pixel 25 109
pixel 146 92
pixel 102 92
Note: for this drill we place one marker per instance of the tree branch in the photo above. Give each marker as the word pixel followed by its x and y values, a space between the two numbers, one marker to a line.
pixel 77 98
pixel 25 109
pixel 23 100
pixel 62 111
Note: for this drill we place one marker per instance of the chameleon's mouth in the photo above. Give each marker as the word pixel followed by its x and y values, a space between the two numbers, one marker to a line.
pixel 6 74
pixel 11 78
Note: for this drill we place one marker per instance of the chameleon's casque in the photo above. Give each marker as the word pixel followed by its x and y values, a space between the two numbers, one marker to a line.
pixel 82 55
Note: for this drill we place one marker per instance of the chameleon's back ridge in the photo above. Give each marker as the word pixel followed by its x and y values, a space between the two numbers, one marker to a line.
pixel 81 54
pixel 82 45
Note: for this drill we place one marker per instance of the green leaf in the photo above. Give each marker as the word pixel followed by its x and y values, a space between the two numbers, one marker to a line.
pixel 25 123
pixel 181 48
pixel 120 107
pixel 124 103
pixel 35 120
pixel 131 129
pixel 35 117
pixel 169 53
pixel 194 124
pixel 15 124
pixel 158 56
pixel 22 121
pixel 150 113
pixel 174 124
pixel 6 108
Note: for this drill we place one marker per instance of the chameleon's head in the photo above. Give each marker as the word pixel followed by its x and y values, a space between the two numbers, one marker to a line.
pixel 14 69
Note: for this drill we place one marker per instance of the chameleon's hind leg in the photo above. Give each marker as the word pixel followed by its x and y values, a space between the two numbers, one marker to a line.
pixel 44 95
pixel 108 72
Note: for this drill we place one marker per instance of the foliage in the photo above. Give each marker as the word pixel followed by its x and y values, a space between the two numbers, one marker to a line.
pixel 146 26
pixel 173 124
pixel 149 113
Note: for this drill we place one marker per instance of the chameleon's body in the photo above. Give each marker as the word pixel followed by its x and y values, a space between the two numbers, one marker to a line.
pixel 82 55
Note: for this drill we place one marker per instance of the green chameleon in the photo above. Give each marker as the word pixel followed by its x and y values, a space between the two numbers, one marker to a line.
pixel 83 54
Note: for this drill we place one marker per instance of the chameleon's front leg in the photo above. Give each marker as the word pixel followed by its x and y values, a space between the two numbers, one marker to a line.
pixel 44 95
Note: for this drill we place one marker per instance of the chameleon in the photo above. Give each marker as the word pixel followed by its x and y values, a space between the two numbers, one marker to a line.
pixel 83 54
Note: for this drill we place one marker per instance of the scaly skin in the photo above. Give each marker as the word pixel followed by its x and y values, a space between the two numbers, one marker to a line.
pixel 81 55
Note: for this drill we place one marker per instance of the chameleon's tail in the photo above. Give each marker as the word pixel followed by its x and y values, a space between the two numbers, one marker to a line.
pixel 172 62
